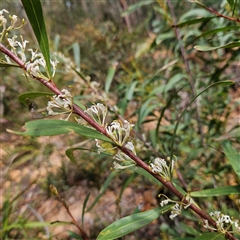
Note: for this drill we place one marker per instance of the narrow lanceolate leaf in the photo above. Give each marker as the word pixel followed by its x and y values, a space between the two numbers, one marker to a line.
pixel 5 64
pixel 213 192
pixel 208 48
pixel 54 127
pixel 70 152
pixel 131 223
pixel 211 236
pixel 110 75
pixel 233 156
pixel 33 9
pixel 31 95
pixel 132 8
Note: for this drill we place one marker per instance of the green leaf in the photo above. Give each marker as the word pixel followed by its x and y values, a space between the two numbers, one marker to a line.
pixel 208 48
pixel 74 235
pixel 110 75
pixel 77 54
pixel 5 64
pixel 195 12
pixel 41 127
pixel 211 236
pixel 213 192
pixel 194 21
pixel 130 90
pixel 184 111
pixel 231 3
pixel 28 225
pixel 163 36
pixel 131 223
pixel 185 238
pixel 30 95
pixel 189 229
pixel 84 206
pixel 34 13
pixel 174 80
pixel 135 6
pixel 223 29
pixel 147 175
pixel 145 109
pixel 233 156
pixel 69 152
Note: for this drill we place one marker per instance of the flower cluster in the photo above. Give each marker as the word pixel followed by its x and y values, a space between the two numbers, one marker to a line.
pixel 159 166
pixel 223 222
pixel 37 61
pixel 63 101
pixel 119 131
pixel 177 208
pixel 3 23
pixel 125 160
pixel 98 112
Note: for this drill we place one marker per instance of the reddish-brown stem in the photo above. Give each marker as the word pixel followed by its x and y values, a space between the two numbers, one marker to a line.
pixel 51 86
pixel 73 219
pixel 218 14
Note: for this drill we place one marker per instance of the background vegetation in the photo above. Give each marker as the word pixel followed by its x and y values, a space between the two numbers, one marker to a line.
pixel 157 75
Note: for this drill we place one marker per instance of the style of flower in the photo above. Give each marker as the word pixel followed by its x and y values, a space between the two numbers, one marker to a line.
pixel 62 101
pixel 119 131
pixel 159 166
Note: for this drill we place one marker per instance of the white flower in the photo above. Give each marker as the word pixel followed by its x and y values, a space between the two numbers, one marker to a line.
pixel 237 226
pixel 223 222
pixel 33 69
pixel 63 101
pixel 130 146
pixel 98 113
pixel 164 202
pixel 3 21
pixel 117 166
pixel 13 21
pixel 23 44
pixel 159 166
pixel 12 42
pixel 125 160
pixel 175 211
pixel 119 131
pixel 189 200
pixel 8 59
pixel 54 66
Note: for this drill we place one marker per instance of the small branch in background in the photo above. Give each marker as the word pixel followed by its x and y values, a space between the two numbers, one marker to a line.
pixel 127 19
pixel 54 190
pixel 216 13
pixel 186 63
